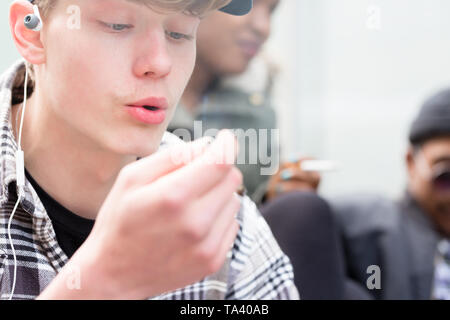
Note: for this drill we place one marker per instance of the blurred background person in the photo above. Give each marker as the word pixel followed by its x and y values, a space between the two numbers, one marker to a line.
pixel 231 88
pixel 407 239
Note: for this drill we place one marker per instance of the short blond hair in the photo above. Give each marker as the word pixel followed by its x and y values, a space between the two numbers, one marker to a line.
pixel 193 7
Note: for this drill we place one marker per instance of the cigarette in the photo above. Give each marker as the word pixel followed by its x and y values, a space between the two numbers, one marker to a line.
pixel 318 165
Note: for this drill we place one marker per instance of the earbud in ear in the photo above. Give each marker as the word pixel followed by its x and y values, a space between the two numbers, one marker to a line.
pixel 33 21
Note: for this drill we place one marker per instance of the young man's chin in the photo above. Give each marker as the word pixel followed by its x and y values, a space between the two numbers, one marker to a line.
pixel 141 145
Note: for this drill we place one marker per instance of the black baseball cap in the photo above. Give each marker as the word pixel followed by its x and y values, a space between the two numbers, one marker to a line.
pixel 238 7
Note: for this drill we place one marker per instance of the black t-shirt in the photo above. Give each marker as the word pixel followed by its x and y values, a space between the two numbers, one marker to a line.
pixel 71 230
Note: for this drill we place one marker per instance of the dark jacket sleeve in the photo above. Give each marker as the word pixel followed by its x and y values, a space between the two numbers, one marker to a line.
pixel 367 225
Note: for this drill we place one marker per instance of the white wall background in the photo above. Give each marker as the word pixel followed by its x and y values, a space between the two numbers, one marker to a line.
pixel 351 81
pixel 8 52
pixel 354 74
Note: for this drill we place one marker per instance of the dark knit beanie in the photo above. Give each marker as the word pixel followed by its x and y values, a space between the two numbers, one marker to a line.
pixel 433 119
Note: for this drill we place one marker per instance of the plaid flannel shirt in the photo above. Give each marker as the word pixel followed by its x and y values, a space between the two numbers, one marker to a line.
pixel 441 283
pixel 256 268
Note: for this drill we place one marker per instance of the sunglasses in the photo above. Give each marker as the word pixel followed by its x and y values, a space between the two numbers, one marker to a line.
pixel 441 179
pixel 439 173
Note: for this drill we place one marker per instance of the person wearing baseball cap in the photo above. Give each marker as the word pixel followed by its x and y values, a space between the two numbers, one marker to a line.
pixel 97 200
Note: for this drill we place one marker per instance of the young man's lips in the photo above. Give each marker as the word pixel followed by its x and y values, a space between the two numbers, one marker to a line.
pixel 160 103
pixel 150 110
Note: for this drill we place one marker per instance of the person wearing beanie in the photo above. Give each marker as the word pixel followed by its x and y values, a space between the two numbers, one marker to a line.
pixel 428 160
pixel 401 249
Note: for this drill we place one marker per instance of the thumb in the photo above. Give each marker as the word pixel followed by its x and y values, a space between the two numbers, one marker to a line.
pixel 152 167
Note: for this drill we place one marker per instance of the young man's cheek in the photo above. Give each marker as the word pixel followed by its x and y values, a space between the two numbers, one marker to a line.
pixel 184 66
pixel 95 72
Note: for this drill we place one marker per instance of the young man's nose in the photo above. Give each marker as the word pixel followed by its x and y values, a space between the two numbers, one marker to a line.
pixel 154 59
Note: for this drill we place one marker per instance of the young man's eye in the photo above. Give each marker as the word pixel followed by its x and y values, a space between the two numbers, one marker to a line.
pixel 117 27
pixel 178 35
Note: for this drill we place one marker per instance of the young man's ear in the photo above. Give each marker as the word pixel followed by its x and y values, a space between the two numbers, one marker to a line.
pixel 410 162
pixel 28 42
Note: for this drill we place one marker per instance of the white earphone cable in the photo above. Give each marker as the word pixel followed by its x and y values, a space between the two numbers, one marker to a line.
pixel 20 169
pixel 13 251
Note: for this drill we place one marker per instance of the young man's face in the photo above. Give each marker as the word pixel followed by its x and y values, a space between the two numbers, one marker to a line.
pixel 226 44
pixel 123 53
pixel 432 194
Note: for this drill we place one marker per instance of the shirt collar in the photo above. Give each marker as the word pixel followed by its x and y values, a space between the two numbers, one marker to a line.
pixel 8 146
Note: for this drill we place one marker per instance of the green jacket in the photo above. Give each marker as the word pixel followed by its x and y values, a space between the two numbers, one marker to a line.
pixel 233 108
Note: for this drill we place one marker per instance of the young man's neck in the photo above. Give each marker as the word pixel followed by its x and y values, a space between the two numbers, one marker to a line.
pixel 201 79
pixel 71 168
